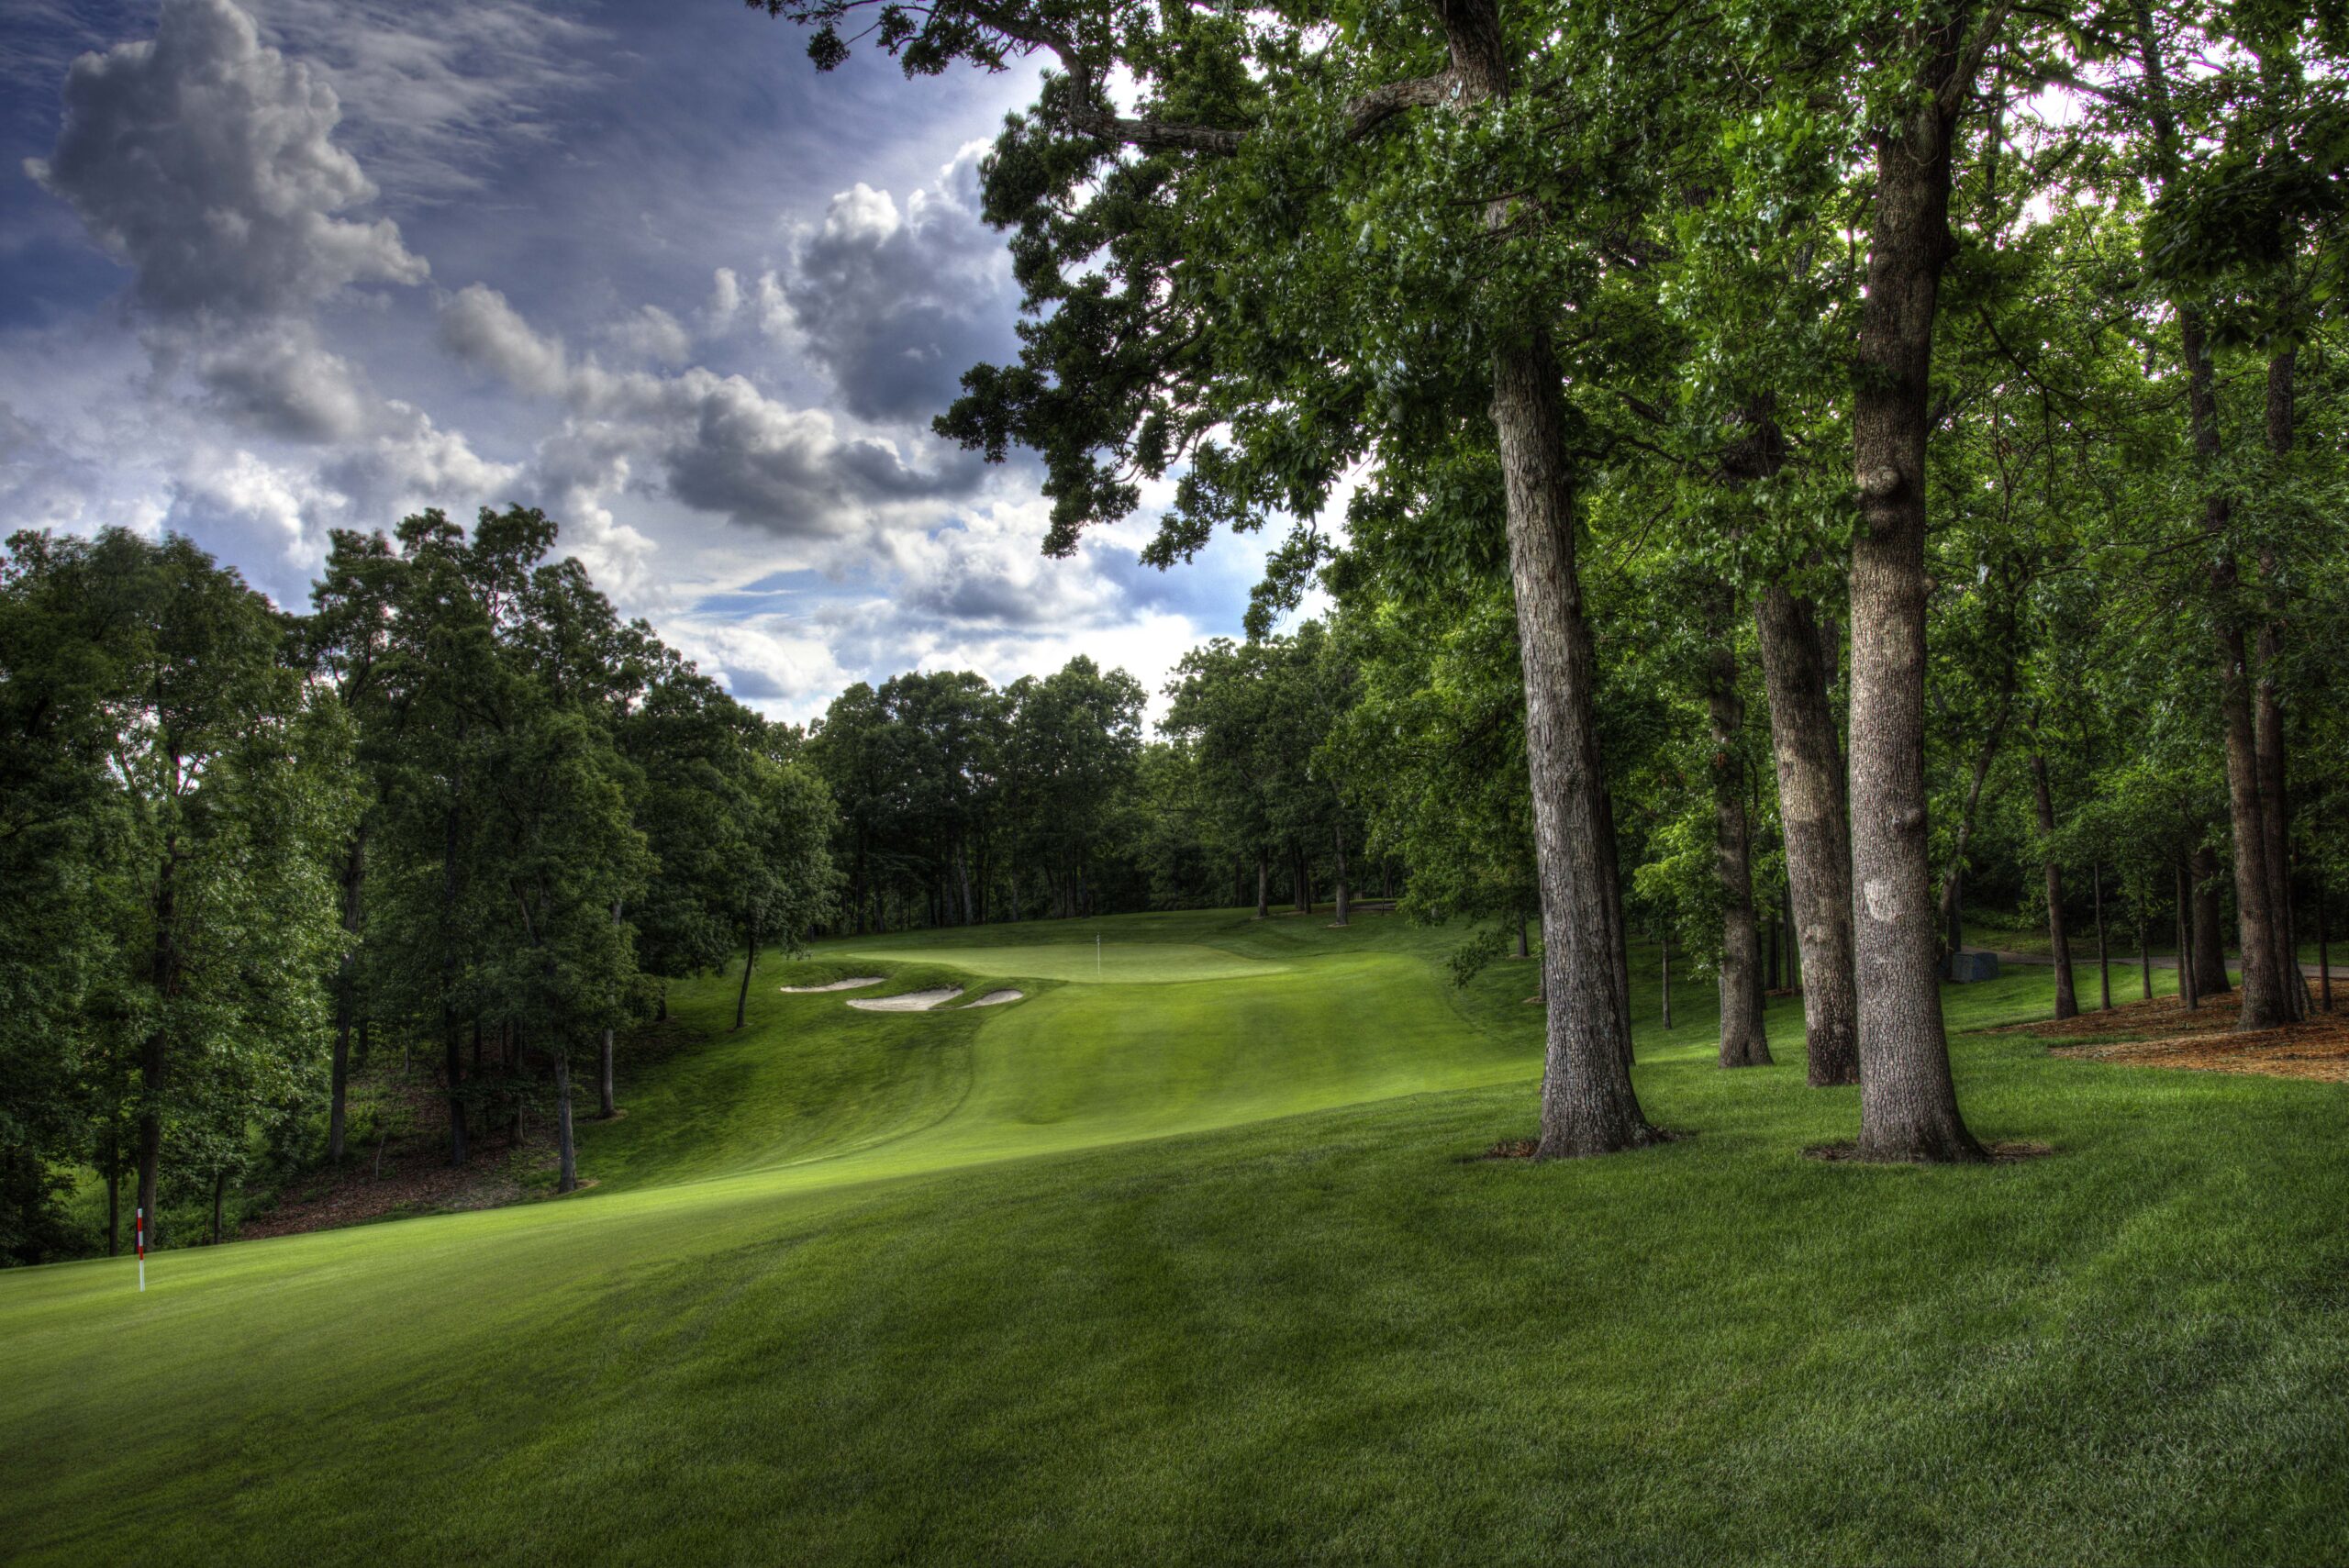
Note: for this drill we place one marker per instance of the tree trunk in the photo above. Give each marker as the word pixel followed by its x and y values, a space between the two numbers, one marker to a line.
pixel 2265 1003
pixel 1338 837
pixel 1587 1103
pixel 859 892
pixel 566 1151
pixel 607 1109
pixel 2144 962
pixel 2188 987
pixel 1302 878
pixel 1522 950
pixel 2059 945
pixel 2323 943
pixel 2209 926
pixel 2268 716
pixel 1818 833
pixel 114 1188
pixel 1664 972
pixel 1263 883
pixel 1742 1042
pixel 1588 1106
pixel 2103 954
pixel 750 957
pixel 451 1040
pixel 1954 880
pixel 1908 1101
pixel 220 1199
pixel 346 1001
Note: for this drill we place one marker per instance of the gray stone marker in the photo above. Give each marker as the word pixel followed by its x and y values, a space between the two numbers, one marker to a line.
pixel 1971 964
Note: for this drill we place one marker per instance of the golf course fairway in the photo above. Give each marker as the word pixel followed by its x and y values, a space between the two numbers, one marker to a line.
pixel 1187 1256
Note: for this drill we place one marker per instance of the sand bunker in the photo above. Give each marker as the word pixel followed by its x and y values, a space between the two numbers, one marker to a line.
pixel 996 998
pixel 857 983
pixel 907 1002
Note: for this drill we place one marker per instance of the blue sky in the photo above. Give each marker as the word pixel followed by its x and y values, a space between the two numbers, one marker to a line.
pixel 273 267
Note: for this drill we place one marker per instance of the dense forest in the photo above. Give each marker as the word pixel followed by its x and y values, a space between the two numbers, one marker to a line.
pixel 1786 484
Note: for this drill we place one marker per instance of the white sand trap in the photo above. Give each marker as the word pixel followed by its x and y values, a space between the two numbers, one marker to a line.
pixel 856 984
pixel 907 1002
pixel 997 999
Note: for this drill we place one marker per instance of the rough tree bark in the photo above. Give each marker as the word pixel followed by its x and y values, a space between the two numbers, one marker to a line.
pixel 1587 1103
pixel 1908 1103
pixel 1742 1042
pixel 2059 944
pixel 1818 833
pixel 1263 883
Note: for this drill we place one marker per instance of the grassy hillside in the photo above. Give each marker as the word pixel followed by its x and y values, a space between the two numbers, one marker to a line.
pixel 1182 1260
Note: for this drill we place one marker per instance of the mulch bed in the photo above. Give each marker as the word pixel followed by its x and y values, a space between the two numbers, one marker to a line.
pixel 2165 1032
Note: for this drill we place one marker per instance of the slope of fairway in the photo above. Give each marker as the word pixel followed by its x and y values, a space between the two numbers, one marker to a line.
pixel 1181 1037
pixel 1187 1269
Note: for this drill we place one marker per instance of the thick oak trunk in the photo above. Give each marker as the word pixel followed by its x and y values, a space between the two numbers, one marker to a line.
pixel 1818 833
pixel 1587 1103
pixel 1742 1042
pixel 1908 1102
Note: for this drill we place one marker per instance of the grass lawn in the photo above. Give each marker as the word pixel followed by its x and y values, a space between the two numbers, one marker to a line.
pixel 1184 1261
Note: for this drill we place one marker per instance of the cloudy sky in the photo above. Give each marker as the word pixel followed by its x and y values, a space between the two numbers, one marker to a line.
pixel 272 267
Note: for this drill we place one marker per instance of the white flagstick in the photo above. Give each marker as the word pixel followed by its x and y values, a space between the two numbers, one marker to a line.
pixel 138 1234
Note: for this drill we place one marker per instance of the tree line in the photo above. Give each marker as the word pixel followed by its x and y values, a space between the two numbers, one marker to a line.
pixel 1971 371
pixel 459 807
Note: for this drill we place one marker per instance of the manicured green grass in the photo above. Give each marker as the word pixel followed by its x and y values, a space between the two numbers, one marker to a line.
pixel 1194 1269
